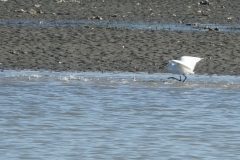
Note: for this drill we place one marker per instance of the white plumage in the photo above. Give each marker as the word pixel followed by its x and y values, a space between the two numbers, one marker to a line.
pixel 184 66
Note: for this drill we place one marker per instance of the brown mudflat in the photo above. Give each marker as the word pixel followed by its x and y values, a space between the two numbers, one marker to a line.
pixel 214 11
pixel 101 49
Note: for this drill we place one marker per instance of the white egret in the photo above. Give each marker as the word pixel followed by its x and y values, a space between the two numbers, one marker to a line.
pixel 184 66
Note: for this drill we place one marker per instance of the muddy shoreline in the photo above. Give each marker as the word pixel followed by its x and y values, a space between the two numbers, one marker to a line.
pixel 80 48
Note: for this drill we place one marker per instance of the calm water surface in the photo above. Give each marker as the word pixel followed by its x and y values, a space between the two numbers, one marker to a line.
pixel 139 25
pixel 64 115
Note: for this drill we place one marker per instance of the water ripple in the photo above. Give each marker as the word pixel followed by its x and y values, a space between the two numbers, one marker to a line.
pixel 90 115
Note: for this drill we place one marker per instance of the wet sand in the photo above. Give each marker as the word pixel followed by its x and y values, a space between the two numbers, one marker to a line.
pixel 113 49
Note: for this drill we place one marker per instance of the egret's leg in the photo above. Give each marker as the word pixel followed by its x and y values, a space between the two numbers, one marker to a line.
pixel 185 78
pixel 175 78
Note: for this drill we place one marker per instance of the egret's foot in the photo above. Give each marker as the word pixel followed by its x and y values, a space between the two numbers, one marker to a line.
pixel 179 79
pixel 185 78
pixel 175 78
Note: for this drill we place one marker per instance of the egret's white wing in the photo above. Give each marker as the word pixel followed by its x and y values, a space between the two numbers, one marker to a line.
pixel 183 69
pixel 177 62
pixel 189 61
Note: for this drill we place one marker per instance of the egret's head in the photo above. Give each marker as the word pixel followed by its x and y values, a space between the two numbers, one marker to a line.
pixel 169 63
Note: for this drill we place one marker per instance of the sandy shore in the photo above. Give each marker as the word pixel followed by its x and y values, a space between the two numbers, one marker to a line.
pixel 102 49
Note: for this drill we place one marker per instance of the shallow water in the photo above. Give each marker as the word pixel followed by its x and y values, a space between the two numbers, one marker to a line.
pixel 140 25
pixel 90 115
